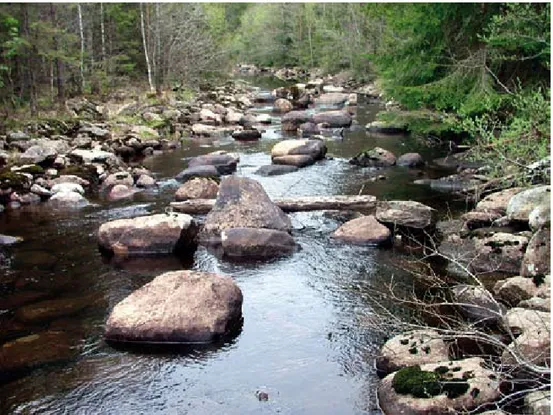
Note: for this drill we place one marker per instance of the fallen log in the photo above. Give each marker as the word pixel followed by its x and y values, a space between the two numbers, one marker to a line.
pixel 361 203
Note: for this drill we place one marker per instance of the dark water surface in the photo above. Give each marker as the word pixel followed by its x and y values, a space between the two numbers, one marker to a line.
pixel 304 340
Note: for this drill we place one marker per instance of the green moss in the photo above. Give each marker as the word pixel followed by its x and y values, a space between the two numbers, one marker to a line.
pixel 424 384
pixel 13 180
pixel 34 170
pixel 426 349
pixel 441 370
pixel 414 381
pixel 413 350
pixel 404 341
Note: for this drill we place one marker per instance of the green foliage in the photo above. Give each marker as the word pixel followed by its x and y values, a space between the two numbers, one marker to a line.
pixel 517 138
pixel 423 122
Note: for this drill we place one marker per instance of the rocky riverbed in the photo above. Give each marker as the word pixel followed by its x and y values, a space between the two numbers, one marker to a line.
pixel 291 324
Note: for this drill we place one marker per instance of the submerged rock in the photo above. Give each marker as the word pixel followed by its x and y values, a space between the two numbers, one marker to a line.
pixel 178 307
pixel 149 235
pixel 35 349
pixel 275 170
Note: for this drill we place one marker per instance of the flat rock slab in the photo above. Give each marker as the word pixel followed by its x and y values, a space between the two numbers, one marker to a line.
pixel 178 307
pixel 149 235
pixel 256 243
pixel 362 203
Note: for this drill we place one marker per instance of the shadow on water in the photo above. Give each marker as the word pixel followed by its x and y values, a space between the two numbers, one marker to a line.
pixel 304 337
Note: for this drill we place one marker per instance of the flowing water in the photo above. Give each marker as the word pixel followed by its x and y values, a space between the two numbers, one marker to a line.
pixel 304 340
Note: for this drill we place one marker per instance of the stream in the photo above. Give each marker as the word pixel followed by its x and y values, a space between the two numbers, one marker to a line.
pixel 304 341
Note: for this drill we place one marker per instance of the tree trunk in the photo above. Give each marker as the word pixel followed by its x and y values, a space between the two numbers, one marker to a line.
pixel 57 61
pixel 81 32
pixel 158 53
pixel 360 203
pixel 103 36
pixel 30 67
pixel 149 68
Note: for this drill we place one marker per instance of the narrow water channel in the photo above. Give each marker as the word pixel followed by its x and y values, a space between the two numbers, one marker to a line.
pixel 303 341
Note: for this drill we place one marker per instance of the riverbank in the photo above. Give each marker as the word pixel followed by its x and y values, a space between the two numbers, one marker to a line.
pixel 325 177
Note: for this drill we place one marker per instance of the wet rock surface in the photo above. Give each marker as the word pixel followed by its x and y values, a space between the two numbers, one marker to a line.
pixel 178 307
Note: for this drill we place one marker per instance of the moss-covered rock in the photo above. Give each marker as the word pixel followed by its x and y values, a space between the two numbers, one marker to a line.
pixel 425 384
pixel 439 388
pixel 13 180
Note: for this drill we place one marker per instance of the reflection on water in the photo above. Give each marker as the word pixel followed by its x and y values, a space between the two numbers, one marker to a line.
pixel 302 340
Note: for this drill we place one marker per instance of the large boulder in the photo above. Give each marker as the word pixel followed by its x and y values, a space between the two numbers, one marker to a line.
pixel 410 160
pixel 292 120
pixel 242 203
pixel 224 162
pixel 439 388
pixel 363 230
pixel 497 202
pixel 499 253
pixel 477 303
pixel 282 105
pixel 333 119
pixel 256 243
pixel 250 134
pixel 178 307
pixel 408 214
pixel 149 235
pixel 538 403
pixel 68 199
pixel 533 345
pixel 522 204
pixel 377 157
pixel 540 217
pixel 120 178
pixel 516 289
pixel 417 347
pixel 299 153
pixel 44 151
pixel 197 188
pixel 537 258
